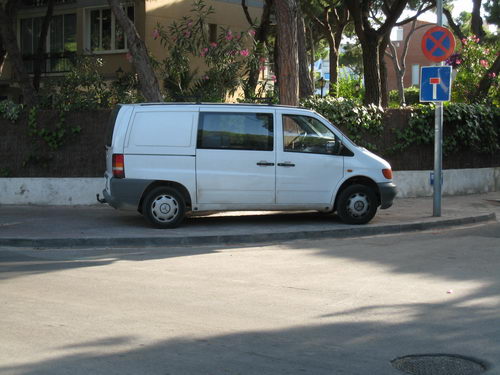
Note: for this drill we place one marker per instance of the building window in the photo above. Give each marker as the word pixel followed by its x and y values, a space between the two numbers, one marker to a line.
pixel 60 46
pixel 212 32
pixel 103 31
pixel 415 75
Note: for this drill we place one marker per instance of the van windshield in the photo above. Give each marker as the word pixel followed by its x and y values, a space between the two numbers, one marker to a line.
pixel 111 125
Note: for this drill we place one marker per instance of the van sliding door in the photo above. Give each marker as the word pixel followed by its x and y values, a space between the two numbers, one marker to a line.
pixel 235 158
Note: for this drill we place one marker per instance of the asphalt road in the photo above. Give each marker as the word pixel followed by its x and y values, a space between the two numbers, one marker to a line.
pixel 335 306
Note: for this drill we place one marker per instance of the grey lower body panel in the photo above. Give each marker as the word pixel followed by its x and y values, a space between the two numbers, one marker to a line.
pixel 388 192
pixel 126 193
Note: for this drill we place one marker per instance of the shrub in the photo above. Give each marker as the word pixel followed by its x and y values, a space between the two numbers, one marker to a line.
pixel 412 96
pixel 10 110
pixel 225 59
pixel 472 64
pixel 475 127
pixel 358 122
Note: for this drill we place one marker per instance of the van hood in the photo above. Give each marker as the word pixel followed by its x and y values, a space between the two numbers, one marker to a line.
pixel 370 155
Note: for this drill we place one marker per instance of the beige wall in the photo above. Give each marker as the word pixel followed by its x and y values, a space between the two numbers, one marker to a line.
pixel 227 15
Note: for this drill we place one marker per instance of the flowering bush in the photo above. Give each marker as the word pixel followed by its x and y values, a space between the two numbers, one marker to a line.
pixel 472 64
pixel 224 60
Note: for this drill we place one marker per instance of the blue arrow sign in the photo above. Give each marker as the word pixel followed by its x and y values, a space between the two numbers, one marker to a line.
pixel 435 84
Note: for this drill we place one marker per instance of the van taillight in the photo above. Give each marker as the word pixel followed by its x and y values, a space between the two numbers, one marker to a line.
pixel 387 173
pixel 118 166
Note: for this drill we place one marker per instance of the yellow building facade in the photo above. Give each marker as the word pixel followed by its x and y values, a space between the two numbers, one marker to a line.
pixel 81 27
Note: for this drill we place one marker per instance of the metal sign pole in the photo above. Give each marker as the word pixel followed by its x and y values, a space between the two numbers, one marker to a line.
pixel 438 136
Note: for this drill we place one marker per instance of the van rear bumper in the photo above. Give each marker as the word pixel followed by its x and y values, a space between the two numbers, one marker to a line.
pixel 125 193
pixel 388 191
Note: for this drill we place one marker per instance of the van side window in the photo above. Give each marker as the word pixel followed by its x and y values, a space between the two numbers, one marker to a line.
pixel 307 134
pixel 236 131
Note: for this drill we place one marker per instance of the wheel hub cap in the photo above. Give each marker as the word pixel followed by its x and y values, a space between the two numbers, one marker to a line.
pixel 165 208
pixel 358 205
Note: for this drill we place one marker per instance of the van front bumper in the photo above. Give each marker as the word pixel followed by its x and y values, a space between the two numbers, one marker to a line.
pixel 125 193
pixel 388 191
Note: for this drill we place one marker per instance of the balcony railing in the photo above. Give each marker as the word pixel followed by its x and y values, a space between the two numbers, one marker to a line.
pixel 43 3
pixel 60 62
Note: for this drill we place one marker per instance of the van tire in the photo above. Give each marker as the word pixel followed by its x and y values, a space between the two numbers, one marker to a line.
pixel 357 204
pixel 164 207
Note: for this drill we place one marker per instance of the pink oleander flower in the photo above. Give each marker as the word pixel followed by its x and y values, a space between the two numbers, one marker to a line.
pixel 251 32
pixel 464 41
pixel 129 57
pixel 262 68
pixel 187 34
pixel 204 52
pixel 273 78
pixel 262 60
pixel 244 52
pixel 156 34
pixel 484 63
pixel 205 77
pixel 229 35
pixel 492 75
pixel 213 44
pixel 190 23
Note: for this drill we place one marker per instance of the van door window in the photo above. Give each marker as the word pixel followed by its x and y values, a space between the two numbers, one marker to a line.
pixel 236 131
pixel 309 135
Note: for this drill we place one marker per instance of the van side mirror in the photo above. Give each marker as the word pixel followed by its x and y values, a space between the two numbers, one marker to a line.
pixel 334 147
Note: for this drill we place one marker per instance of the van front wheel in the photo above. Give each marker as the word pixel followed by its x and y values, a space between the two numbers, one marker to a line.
pixel 164 207
pixel 357 204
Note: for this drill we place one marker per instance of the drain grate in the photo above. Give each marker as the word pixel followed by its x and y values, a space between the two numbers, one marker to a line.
pixel 438 364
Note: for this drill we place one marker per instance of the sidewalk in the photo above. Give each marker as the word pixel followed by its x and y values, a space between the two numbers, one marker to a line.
pixel 88 226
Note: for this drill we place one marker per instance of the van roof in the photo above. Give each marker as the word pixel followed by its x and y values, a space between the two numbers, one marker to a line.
pixel 211 104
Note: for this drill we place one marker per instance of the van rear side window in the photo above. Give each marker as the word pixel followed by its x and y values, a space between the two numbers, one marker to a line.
pixel 111 125
pixel 236 131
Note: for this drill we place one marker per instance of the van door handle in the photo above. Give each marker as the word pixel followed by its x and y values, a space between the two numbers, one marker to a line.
pixel 286 164
pixel 265 164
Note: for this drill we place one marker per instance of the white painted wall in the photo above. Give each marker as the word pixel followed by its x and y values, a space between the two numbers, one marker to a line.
pixel 50 191
pixel 82 191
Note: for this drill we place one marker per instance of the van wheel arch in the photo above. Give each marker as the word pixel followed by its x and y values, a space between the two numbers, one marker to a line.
pixel 357 180
pixel 179 187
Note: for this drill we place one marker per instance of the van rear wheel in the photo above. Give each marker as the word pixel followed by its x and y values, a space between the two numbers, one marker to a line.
pixel 164 207
pixel 357 204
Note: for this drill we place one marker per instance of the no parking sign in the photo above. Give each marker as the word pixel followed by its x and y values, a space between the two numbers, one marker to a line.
pixel 438 43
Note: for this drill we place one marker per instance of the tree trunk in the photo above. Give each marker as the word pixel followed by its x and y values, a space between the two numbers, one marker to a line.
pixel 400 72
pixel 305 84
pixel 371 69
pixel 10 44
pixel 384 92
pixel 334 64
pixel 312 57
pixel 370 38
pixel 148 82
pixel 3 54
pixel 476 22
pixel 287 46
pixel 488 78
pixel 40 52
pixel 261 36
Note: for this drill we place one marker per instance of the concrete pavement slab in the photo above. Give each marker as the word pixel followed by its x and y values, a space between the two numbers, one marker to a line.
pixel 77 226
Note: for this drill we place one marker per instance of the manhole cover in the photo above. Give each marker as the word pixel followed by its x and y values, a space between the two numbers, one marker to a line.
pixel 438 364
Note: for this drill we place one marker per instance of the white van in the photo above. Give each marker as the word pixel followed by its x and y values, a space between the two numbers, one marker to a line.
pixel 166 160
